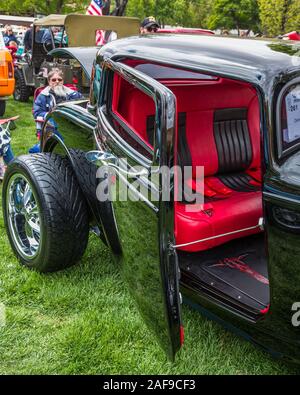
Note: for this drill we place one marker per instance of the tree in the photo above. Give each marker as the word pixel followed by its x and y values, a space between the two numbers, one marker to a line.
pixel 279 16
pixel 234 14
pixel 141 8
pixel 46 7
pixel 191 13
pixel 33 7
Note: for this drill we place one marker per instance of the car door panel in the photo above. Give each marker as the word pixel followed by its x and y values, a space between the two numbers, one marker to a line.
pixel 145 221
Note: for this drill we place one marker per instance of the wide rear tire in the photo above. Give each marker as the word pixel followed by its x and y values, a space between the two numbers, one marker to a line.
pixel 45 212
pixel 22 92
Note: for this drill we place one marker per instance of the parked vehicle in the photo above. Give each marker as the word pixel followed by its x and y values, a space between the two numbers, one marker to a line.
pixel 15 20
pixel 230 106
pixel 58 31
pixel 185 30
pixel 7 82
pixel 295 36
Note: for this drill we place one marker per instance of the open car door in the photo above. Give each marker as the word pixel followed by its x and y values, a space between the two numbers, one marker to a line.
pixel 136 128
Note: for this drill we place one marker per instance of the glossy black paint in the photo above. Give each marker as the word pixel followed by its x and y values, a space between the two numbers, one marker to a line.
pixel 255 61
pixel 268 66
pixel 145 226
pixel 123 223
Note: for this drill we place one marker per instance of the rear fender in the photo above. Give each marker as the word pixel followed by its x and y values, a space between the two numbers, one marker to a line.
pixel 100 212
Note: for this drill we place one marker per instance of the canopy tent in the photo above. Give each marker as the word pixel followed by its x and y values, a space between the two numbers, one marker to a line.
pixel 16 20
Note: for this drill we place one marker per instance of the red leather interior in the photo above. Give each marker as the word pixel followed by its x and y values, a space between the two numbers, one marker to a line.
pixel 225 210
pixel 135 109
pixel 228 210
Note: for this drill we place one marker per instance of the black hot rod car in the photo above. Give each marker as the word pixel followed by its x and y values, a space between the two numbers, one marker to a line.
pixel 157 102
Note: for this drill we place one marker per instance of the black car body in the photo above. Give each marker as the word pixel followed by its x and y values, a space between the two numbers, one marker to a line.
pixel 229 105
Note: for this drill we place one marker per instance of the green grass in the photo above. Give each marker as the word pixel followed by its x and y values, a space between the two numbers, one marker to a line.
pixel 83 321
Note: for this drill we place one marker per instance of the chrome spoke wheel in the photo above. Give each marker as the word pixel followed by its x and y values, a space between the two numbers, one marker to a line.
pixel 23 216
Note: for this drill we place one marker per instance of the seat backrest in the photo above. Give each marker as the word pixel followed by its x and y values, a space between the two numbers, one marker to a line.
pixel 201 104
pixel 224 140
pixel 232 140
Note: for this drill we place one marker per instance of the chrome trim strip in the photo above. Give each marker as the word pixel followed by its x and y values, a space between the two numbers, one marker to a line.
pixel 281 198
pixel 218 236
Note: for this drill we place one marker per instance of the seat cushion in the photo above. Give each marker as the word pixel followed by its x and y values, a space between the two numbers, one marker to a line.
pixel 222 215
pixel 232 139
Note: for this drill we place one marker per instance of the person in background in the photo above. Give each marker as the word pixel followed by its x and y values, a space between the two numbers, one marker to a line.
pixel 149 25
pixel 9 36
pixel 13 48
pixel 6 153
pixel 39 34
pixel 28 39
pixel 56 92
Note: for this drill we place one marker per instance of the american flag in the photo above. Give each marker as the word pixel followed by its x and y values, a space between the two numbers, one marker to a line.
pixel 95 8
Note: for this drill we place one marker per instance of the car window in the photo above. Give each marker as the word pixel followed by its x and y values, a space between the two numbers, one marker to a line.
pixel 288 120
pixel 163 72
pixel 96 80
pixel 105 36
pixel 132 115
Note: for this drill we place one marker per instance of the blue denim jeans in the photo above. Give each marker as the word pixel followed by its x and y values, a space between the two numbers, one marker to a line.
pixel 8 156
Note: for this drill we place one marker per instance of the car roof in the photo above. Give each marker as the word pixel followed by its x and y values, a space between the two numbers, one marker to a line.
pixel 51 20
pixel 252 60
pixel 16 20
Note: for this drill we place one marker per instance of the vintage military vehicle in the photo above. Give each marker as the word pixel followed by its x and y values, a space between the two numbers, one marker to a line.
pixel 64 31
pixel 230 244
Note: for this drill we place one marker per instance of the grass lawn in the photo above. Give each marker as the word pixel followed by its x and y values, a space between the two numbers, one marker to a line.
pixel 83 321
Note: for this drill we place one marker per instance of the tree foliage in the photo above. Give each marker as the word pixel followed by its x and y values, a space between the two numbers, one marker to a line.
pixel 192 13
pixel 46 7
pixel 279 16
pixel 234 14
pixel 33 7
pixel 276 16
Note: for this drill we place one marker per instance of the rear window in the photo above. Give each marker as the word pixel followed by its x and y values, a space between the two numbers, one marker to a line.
pixel 289 120
pixel 159 72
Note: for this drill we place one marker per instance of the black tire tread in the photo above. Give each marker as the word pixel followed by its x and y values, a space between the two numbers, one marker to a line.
pixel 63 208
pixel 25 91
